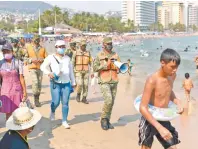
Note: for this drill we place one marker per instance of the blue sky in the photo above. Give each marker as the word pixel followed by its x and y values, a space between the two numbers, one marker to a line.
pixel 92 6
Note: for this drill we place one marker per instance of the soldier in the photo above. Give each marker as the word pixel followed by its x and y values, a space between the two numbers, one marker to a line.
pixel 108 79
pixel 81 61
pixel 69 52
pixel 17 51
pixel 34 58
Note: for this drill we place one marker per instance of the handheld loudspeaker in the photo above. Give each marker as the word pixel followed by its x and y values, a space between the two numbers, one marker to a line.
pixel 123 67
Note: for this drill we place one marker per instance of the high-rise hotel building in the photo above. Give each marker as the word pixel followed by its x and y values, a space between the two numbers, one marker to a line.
pixel 141 12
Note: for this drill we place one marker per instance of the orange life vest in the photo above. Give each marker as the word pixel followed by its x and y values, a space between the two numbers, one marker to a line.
pixel 110 74
pixel 82 61
pixel 41 54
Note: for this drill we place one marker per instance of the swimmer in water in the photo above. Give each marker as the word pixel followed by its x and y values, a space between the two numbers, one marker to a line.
pixel 187 85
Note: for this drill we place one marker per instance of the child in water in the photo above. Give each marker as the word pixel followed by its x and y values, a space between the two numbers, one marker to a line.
pixel 158 92
pixel 187 85
pixel 130 64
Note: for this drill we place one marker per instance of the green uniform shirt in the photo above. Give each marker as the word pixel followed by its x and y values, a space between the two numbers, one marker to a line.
pixel 69 53
pixel 97 67
pixel 18 53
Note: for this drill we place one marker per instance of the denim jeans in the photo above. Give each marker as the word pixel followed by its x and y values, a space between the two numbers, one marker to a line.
pixel 60 92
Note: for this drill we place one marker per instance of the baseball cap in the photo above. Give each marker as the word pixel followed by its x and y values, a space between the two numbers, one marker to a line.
pixel 7 46
pixel 60 43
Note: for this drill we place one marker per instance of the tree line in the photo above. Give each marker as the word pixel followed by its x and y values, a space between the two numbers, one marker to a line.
pixel 86 21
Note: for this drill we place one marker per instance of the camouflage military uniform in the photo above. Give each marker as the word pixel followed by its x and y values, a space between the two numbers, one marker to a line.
pixel 82 79
pixel 108 89
pixel 18 53
pixel 69 53
pixel 36 74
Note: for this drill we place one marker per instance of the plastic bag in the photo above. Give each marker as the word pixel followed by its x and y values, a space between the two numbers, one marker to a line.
pixel 26 103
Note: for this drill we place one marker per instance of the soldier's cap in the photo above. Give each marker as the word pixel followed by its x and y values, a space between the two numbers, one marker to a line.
pixel 72 42
pixel 60 43
pixel 36 37
pixel 83 42
pixel 107 40
pixel 7 46
pixel 15 41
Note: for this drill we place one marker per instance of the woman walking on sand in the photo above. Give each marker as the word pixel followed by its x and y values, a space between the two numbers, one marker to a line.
pixel 13 88
pixel 62 80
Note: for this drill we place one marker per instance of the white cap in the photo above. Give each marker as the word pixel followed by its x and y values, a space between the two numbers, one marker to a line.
pixel 60 43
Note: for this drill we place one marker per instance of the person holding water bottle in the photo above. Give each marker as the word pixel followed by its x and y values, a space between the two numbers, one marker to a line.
pixel 60 71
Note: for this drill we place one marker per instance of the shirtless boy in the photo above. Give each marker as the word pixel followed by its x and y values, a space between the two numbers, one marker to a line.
pixel 158 92
pixel 187 85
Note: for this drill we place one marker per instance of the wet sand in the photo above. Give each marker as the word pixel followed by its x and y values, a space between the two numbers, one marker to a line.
pixel 86 133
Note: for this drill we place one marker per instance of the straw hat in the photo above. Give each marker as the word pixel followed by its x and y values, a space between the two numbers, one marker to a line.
pixel 23 118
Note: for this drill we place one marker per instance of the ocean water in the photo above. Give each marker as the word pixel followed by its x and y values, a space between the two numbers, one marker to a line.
pixel 148 65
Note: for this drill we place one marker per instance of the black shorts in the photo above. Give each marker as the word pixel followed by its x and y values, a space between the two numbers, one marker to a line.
pixel 147 132
pixel 197 66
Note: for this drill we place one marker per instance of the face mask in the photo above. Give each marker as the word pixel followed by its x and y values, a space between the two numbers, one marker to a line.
pixel 109 47
pixel 8 56
pixel 61 51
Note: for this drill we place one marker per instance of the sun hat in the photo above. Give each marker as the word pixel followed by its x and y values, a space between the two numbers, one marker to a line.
pixel 23 118
pixel 60 43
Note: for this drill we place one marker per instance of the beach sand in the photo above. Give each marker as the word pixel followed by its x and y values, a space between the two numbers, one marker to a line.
pixel 86 133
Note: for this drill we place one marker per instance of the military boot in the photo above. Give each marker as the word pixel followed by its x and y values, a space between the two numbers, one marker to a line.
pixel 104 124
pixel 36 101
pixel 84 100
pixel 78 98
pixel 110 125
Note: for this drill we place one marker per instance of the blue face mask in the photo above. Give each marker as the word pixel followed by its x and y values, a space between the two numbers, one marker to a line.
pixel 61 51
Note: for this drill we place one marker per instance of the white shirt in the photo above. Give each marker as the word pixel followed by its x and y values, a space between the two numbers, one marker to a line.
pixel 64 69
